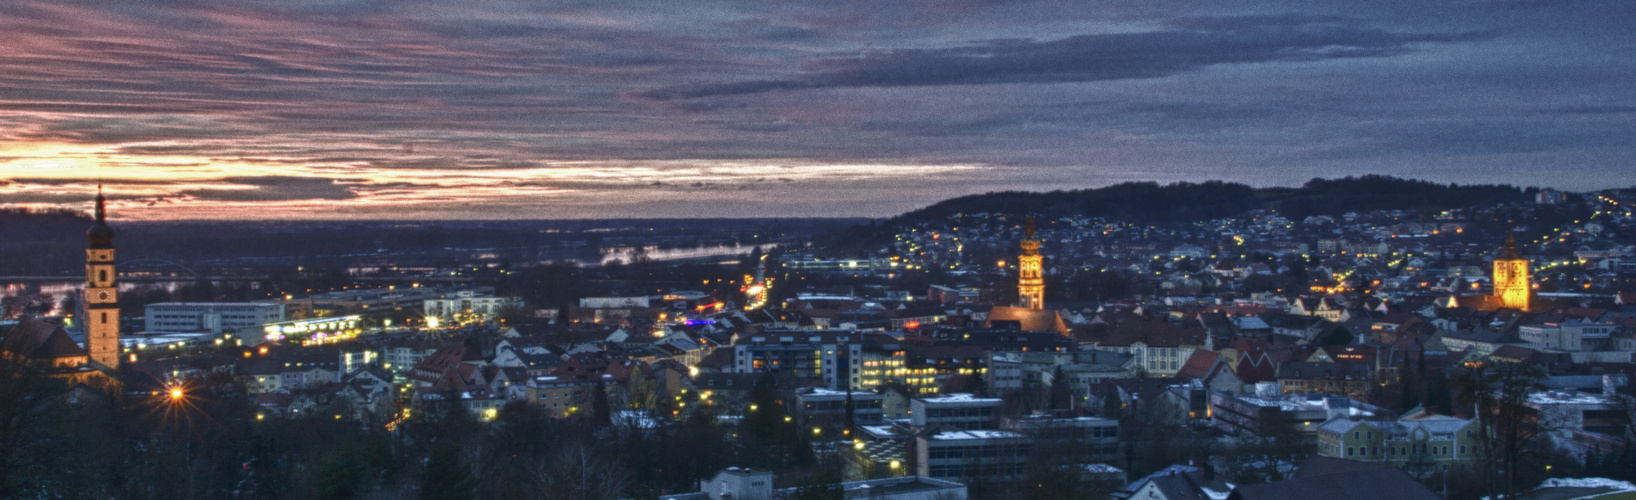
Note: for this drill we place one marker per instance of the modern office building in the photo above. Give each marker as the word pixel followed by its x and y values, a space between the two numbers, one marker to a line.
pixel 213 317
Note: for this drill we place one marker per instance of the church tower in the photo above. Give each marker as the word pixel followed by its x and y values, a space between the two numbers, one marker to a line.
pixel 1511 287
pixel 101 292
pixel 1030 278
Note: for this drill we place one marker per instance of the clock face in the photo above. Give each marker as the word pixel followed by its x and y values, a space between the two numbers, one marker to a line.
pixel 102 296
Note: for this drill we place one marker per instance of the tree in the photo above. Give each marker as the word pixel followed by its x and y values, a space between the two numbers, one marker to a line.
pixel 30 403
pixel 580 472
pixel 1498 392
pixel 1339 336
pixel 601 410
pixel 446 478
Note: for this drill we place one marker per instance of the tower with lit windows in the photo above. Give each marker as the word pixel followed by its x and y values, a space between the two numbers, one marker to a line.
pixel 101 292
pixel 1511 278
pixel 1030 277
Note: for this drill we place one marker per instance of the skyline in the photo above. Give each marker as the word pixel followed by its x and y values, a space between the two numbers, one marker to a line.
pixel 494 110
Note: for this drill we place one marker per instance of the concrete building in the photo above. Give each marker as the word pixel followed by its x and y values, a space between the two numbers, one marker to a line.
pixel 213 317
pixel 965 454
pixel 373 300
pixel 1254 415
pixel 956 411
pixel 825 356
pixel 1562 412
pixel 826 408
pixel 735 483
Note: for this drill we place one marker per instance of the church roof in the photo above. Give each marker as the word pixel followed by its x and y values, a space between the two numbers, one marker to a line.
pixel 40 340
pixel 1030 320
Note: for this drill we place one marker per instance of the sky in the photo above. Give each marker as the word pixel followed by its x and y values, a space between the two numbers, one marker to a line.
pixel 480 109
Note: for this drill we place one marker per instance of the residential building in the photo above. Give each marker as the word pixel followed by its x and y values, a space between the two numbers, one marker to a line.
pixel 1418 442
pixel 824 356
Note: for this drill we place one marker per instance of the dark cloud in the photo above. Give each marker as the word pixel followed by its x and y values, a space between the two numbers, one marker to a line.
pixel 1087 58
pixel 275 188
pixel 437 104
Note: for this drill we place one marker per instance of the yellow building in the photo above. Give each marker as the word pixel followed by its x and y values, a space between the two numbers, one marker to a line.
pixel 1512 284
pixel 1030 277
pixel 101 291
pixel 1511 278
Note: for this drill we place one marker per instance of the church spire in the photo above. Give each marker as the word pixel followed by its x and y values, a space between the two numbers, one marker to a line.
pixel 1509 251
pixel 102 210
pixel 100 235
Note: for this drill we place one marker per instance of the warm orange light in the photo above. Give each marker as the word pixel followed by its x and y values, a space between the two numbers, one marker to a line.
pixel 176 393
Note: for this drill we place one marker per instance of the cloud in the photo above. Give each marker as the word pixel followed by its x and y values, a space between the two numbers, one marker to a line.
pixel 1088 58
pixel 275 188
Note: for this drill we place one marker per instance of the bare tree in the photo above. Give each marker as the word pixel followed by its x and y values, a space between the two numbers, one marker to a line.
pixel 578 472
pixel 1498 392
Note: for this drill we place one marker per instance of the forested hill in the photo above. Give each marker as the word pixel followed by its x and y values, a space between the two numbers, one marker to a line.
pixel 1186 201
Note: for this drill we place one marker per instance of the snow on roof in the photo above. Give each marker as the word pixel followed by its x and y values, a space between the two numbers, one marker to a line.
pixel 975 434
pixel 1101 469
pixel 958 397
pixel 1566 397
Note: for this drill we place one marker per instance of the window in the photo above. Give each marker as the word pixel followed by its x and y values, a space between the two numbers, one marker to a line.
pixel 1349 451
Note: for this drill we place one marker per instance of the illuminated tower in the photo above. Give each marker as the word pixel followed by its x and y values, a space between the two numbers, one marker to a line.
pixel 1511 277
pixel 1030 280
pixel 101 293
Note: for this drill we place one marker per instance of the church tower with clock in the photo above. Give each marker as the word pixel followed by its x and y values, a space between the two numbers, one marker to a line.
pixel 1030 272
pixel 1511 278
pixel 101 291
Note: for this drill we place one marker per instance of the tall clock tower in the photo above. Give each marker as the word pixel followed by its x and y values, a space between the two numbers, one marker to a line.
pixel 1511 278
pixel 1030 276
pixel 101 292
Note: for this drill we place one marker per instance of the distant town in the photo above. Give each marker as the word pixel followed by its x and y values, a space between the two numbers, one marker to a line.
pixel 1443 349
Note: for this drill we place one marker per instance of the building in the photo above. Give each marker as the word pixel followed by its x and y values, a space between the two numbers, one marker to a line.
pixel 1030 313
pixel 825 356
pixel 1563 412
pixel 213 317
pixel 735 483
pixel 467 306
pixel 1089 439
pixel 964 454
pixel 956 411
pixel 1267 414
pixel 1030 274
pixel 1420 443
pixel 101 291
pixel 1338 479
pixel 372 300
pixel 566 396
pixel 819 407
pixel 48 345
pixel 1511 277
pixel 314 331
pixel 1512 288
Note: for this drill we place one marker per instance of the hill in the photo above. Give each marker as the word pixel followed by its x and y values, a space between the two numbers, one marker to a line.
pixel 1150 202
